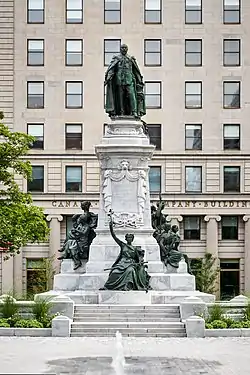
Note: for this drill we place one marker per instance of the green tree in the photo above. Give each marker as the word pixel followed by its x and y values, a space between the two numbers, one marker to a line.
pixel 206 274
pixel 20 221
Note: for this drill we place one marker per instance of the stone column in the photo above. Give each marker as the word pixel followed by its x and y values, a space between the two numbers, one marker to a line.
pixel 18 274
pixel 247 253
pixel 175 220
pixel 7 274
pixel 212 234
pixel 54 239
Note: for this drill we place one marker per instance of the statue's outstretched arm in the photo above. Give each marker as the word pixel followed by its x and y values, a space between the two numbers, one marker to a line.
pixel 119 242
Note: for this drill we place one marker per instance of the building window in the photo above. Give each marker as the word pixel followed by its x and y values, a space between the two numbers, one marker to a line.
pixel 229 279
pixel 111 48
pixel 152 11
pixel 192 230
pixel 35 94
pixel 74 179
pixel 231 13
pixel 231 94
pixel 193 137
pixel 193 11
pixel 74 52
pixel 74 11
pixel 231 52
pixel 155 180
pixel 36 130
pixel 37 183
pixel 231 137
pixel 112 11
pixel 231 179
pixel 193 95
pixel 229 228
pixel 35 50
pixel 152 52
pixel 74 94
pixel 73 136
pixel 153 94
pixel 193 52
pixel 193 179
pixel 37 277
pixel 154 132
pixel 35 11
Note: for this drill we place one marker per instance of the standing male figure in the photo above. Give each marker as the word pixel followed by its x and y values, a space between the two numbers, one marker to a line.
pixel 124 86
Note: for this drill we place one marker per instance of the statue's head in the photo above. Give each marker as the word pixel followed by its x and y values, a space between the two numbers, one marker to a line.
pixel 124 49
pixel 129 237
pixel 175 228
pixel 166 227
pixel 85 205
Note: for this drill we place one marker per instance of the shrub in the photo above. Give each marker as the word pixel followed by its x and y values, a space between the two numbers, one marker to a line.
pixel 229 322
pixel 4 323
pixel 217 324
pixel 245 324
pixel 236 325
pixel 247 311
pixel 208 326
pixel 215 313
pixel 28 323
pixel 41 311
pixel 9 307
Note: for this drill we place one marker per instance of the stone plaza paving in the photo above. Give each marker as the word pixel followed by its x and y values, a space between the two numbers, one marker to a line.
pixel 148 356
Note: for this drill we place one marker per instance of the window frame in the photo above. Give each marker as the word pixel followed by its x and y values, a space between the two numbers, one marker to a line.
pixel 159 126
pixel 193 191
pixel 81 182
pixel 224 138
pixel 28 52
pixel 201 14
pixel 193 53
pixel 66 14
pixel 36 124
pixel 155 53
pixel 235 191
pixel 27 14
pixel 200 95
pixel 30 182
pixel 188 238
pixel 160 94
pixel 225 95
pixel 81 142
pixel 238 53
pixel 237 229
pixel 147 10
pixel 66 51
pixel 43 95
pixel 104 50
pixel 112 10
pixel 159 167
pixel 66 95
pixel 225 11
pixel 200 138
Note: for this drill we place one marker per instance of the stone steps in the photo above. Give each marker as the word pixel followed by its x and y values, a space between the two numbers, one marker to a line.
pixel 128 332
pixel 126 318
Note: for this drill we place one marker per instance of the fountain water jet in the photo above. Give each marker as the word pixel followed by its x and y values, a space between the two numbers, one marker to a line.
pixel 118 362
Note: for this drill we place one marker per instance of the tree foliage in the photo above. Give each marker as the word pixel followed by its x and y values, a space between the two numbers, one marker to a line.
pixel 206 274
pixel 20 221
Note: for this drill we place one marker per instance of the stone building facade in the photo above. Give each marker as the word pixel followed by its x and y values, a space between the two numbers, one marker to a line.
pixel 195 59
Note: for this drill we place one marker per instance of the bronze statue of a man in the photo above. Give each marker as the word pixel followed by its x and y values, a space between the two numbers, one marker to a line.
pixel 124 96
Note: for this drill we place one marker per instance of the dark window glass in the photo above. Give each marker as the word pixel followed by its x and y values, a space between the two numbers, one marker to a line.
pixel 154 132
pixel 231 13
pixel 35 52
pixel 36 130
pixel 193 137
pixel 193 94
pixel 112 11
pixel 193 11
pixel 231 52
pixel 35 94
pixel 229 228
pixel 74 179
pixel 36 277
pixel 231 137
pixel 37 182
pixel 231 94
pixel 152 11
pixel 155 180
pixel 111 48
pixel 193 52
pixel 193 179
pixel 74 94
pixel 152 52
pixel 231 179
pixel 74 11
pixel 153 94
pixel 192 227
pixel 74 52
pixel 73 137
pixel 229 278
pixel 35 11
